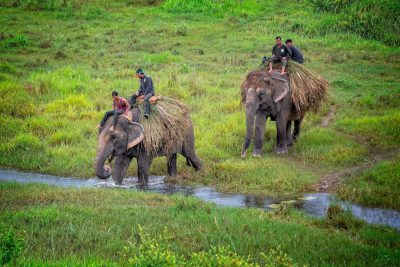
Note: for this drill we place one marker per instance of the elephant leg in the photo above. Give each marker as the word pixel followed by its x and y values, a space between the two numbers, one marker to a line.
pixel 121 166
pixel 297 129
pixel 289 140
pixel 143 162
pixel 261 120
pixel 281 124
pixel 171 165
pixel 189 153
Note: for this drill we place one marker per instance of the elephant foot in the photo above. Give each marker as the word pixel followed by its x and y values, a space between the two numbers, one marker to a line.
pixel 257 153
pixel 281 150
pixel 244 152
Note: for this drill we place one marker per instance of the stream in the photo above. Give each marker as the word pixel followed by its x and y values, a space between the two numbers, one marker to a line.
pixel 315 204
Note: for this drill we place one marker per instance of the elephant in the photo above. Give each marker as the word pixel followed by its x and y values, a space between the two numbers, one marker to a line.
pixel 125 143
pixel 268 95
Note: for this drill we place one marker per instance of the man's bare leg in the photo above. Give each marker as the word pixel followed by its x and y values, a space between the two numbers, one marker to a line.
pixel 270 67
pixel 283 72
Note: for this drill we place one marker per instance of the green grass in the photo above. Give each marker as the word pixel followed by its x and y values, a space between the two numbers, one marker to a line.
pixel 92 226
pixel 378 186
pixel 76 54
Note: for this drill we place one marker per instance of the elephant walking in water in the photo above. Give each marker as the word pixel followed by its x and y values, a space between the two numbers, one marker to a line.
pixel 268 95
pixel 125 143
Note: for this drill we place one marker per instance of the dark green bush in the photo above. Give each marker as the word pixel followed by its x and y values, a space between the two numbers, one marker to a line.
pixel 10 245
pixel 15 42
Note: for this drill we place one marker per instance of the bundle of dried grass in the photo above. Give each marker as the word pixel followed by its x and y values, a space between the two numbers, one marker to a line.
pixel 166 126
pixel 308 89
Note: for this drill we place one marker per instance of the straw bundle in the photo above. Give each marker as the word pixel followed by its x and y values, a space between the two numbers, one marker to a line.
pixel 308 89
pixel 166 126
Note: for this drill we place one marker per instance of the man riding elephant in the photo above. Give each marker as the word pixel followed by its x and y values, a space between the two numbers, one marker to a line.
pixel 280 53
pixel 146 89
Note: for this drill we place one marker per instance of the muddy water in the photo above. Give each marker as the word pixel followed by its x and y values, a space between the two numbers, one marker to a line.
pixel 315 204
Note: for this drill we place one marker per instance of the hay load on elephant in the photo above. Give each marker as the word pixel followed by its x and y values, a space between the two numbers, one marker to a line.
pixel 166 126
pixel 307 88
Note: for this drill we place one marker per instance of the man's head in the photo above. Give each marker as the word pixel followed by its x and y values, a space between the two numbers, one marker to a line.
pixel 278 40
pixel 114 94
pixel 289 42
pixel 139 73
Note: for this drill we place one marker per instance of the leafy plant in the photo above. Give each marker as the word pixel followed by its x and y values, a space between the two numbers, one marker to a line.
pixel 10 245
pixel 15 42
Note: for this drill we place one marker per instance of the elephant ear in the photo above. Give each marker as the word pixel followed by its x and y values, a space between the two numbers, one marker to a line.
pixel 135 134
pixel 280 88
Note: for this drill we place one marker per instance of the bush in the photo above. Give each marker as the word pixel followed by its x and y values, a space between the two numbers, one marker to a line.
pixel 26 142
pixel 15 42
pixel 370 19
pixel 6 67
pixel 10 245
pixel 146 251
pixel 14 101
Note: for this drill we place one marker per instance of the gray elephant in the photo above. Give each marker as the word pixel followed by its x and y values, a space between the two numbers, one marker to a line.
pixel 124 144
pixel 268 95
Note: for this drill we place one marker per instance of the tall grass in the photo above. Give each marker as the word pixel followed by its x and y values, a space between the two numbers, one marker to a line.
pixel 372 19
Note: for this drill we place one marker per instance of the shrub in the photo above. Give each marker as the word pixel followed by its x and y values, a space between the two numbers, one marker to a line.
pixel 147 251
pixel 14 100
pixel 26 142
pixel 15 42
pixel 10 245
pixel 6 67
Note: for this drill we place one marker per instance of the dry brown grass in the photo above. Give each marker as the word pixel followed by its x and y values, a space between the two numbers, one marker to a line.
pixel 308 89
pixel 166 127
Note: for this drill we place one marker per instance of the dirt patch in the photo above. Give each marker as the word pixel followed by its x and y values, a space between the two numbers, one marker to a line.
pixel 326 121
pixel 331 181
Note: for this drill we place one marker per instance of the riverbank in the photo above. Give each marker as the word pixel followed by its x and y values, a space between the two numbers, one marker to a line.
pixel 100 222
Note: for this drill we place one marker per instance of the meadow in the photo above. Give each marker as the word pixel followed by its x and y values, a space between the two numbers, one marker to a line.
pixel 111 227
pixel 60 61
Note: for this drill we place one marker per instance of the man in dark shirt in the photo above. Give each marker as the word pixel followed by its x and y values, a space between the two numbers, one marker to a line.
pixel 280 53
pixel 146 89
pixel 296 53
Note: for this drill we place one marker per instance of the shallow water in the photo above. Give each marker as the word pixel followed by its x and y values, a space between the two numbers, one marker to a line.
pixel 315 204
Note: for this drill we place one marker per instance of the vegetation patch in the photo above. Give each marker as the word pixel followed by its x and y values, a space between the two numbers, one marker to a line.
pixel 375 187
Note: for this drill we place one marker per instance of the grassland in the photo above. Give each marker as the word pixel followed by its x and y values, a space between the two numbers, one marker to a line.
pixel 59 64
pixel 91 227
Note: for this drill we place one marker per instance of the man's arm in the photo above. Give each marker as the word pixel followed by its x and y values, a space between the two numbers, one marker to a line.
pixel 140 90
pixel 149 85
pixel 289 51
pixel 127 105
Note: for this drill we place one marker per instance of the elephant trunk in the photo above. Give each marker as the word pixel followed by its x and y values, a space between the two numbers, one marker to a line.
pixel 250 117
pixel 102 171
